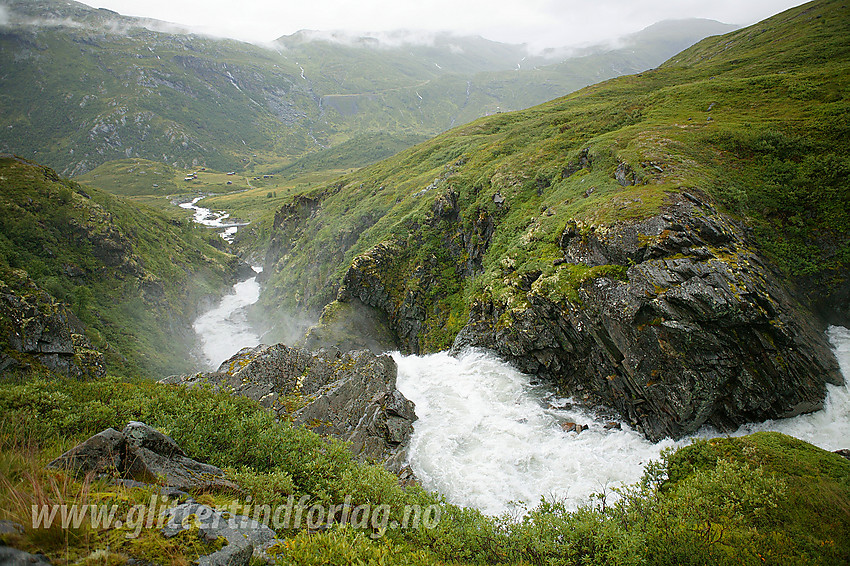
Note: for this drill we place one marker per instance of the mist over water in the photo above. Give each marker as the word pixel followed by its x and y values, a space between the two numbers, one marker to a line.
pixel 224 330
pixel 487 438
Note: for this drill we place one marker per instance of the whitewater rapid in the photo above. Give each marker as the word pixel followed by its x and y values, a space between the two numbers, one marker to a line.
pixel 216 219
pixel 487 438
pixel 224 329
pixel 490 437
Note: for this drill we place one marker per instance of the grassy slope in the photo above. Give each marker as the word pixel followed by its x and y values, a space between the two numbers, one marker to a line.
pixel 756 118
pixel 249 198
pixel 765 498
pixel 134 276
pixel 76 97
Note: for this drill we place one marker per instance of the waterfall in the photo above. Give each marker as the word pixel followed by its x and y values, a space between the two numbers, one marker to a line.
pixel 489 437
pixel 224 329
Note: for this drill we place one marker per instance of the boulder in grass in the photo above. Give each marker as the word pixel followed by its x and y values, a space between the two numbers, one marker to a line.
pixel 245 536
pixel 104 452
pixel 143 454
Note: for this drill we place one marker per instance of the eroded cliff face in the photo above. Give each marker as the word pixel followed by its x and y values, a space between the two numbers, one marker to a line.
pixel 39 333
pixel 580 239
pixel 699 331
pixel 676 321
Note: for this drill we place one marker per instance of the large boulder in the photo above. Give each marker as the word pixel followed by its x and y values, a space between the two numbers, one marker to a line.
pixel 13 557
pixel 143 454
pixel 245 536
pixel 350 396
pixel 104 452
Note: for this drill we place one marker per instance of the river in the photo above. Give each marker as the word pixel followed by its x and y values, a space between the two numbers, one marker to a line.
pixel 488 438
pixel 217 219
pixel 224 330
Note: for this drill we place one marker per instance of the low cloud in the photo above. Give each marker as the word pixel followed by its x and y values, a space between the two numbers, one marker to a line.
pixel 379 39
pixel 111 23
pixel 539 24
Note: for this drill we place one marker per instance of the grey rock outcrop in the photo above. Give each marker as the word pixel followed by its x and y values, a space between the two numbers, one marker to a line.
pixel 144 454
pixel 245 536
pixel 14 557
pixel 37 330
pixel 350 396
pixel 699 330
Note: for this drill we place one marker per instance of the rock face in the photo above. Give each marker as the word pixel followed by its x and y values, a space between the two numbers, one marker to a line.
pixel 37 330
pixel 245 537
pixel 674 320
pixel 143 454
pixel 13 557
pixel 349 396
pixel 699 331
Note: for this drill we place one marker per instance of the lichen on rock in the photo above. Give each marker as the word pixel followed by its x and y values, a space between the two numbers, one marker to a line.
pixel 351 396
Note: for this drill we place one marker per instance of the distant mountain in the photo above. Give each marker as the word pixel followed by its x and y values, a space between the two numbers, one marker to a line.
pixel 83 86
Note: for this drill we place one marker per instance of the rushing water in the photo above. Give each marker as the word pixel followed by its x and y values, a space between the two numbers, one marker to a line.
pixel 224 329
pixel 487 438
pixel 216 219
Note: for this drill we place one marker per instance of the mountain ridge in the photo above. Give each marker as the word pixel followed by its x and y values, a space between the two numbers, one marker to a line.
pixel 76 96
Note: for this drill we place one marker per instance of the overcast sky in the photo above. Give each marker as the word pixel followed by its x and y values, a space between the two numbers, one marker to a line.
pixel 539 23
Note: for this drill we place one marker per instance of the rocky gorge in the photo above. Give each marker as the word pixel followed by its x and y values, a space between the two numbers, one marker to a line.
pixel 660 248
pixel 699 330
pixel 676 320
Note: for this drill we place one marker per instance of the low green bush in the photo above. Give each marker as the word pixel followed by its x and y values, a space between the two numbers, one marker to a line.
pixel 765 498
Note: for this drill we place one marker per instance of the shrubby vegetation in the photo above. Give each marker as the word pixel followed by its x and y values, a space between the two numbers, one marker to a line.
pixel 765 498
pixel 135 277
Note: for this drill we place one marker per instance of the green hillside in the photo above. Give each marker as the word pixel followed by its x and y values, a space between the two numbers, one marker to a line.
pixel 81 87
pixel 134 277
pixel 761 499
pixel 755 120
pixel 625 242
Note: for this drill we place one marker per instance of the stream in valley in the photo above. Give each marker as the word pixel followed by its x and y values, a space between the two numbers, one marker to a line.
pixel 488 438
pixel 224 330
pixel 217 219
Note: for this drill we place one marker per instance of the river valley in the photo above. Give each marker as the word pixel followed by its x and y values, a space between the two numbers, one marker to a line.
pixel 490 437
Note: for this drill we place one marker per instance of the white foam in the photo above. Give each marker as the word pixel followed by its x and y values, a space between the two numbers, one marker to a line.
pixel 828 428
pixel 486 439
pixel 224 329
pixel 217 219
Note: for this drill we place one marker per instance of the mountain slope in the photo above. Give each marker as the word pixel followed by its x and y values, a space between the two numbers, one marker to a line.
pixel 133 278
pixel 637 241
pixel 82 86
